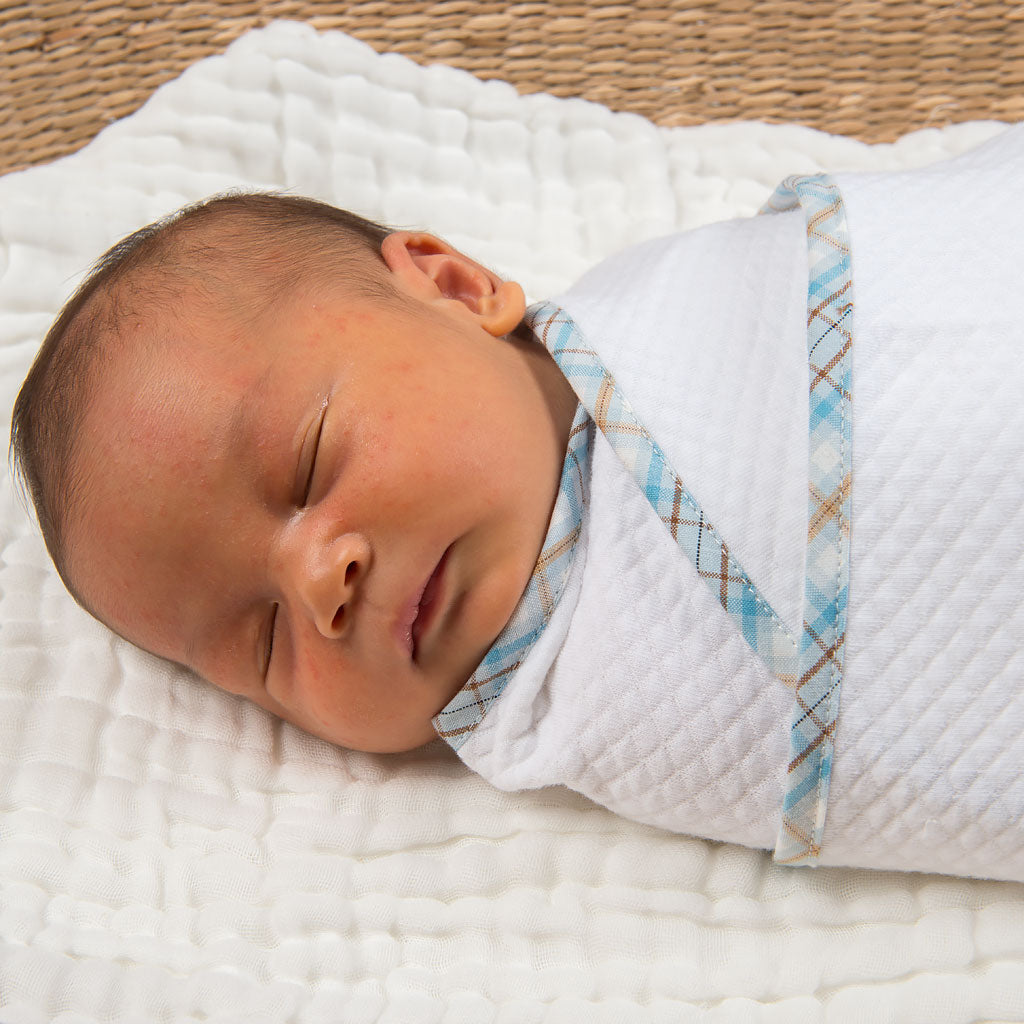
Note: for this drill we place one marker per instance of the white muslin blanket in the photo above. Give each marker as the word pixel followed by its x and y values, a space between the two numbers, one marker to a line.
pixel 169 853
pixel 643 694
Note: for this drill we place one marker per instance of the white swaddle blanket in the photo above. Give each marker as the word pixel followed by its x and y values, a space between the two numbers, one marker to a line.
pixel 642 693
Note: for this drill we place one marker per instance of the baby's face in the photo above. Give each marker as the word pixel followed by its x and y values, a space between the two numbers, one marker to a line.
pixel 333 512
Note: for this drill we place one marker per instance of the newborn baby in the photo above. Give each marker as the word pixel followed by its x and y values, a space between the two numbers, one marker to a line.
pixel 298 455
pixel 345 473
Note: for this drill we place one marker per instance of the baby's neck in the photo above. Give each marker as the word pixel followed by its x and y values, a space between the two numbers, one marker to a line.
pixel 556 392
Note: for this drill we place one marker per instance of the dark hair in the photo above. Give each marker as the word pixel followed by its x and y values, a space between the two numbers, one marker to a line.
pixel 249 247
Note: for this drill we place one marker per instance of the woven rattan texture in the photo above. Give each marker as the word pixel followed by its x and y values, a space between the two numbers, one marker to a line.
pixel 872 69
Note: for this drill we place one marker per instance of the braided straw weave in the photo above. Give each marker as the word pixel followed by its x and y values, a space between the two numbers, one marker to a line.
pixel 868 68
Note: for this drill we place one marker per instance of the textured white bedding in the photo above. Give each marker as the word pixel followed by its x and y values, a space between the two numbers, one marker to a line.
pixel 168 853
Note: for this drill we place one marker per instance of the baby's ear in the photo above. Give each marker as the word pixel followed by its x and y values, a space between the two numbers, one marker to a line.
pixel 428 268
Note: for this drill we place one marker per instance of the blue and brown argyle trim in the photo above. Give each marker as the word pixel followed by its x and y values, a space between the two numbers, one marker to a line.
pixel 826 586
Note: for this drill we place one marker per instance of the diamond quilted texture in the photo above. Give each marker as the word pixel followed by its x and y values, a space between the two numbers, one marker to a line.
pixel 930 754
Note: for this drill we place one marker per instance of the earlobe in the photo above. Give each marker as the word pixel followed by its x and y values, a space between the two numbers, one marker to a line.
pixel 428 268
pixel 502 310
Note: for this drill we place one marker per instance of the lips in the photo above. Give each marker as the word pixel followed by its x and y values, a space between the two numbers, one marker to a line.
pixel 420 613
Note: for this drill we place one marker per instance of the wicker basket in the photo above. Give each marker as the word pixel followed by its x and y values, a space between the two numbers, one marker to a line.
pixel 871 69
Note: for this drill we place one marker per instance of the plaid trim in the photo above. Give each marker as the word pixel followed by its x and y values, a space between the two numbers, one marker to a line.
pixel 826 587
pixel 464 712
pixel 676 506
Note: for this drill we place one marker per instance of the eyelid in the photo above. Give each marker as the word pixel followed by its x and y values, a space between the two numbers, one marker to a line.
pixel 317 429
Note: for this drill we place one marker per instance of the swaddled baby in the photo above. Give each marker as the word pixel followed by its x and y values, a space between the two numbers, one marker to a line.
pixel 636 541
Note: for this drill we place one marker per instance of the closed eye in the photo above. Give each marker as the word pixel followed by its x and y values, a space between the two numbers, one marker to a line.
pixel 308 486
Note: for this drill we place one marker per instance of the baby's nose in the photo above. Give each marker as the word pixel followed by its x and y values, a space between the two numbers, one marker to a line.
pixel 329 582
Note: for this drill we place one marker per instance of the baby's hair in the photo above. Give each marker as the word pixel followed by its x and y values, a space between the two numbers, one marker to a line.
pixel 236 253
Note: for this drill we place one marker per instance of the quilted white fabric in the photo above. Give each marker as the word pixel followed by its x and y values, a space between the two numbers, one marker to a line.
pixel 168 853
pixel 646 698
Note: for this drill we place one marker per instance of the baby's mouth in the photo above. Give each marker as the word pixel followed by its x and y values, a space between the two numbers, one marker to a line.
pixel 430 603
pixel 424 609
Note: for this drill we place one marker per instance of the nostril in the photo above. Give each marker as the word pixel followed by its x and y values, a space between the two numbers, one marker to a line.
pixel 339 618
pixel 350 571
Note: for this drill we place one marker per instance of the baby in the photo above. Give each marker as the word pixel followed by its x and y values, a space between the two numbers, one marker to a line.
pixel 298 454
pixel 345 473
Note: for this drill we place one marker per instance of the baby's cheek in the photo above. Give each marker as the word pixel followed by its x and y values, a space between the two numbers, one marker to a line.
pixel 321 690
pixel 305 681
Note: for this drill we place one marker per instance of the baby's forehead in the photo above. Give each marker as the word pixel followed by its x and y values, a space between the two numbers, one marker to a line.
pixel 183 337
pixel 154 371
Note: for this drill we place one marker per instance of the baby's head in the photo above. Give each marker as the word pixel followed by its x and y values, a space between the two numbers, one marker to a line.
pixel 305 457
